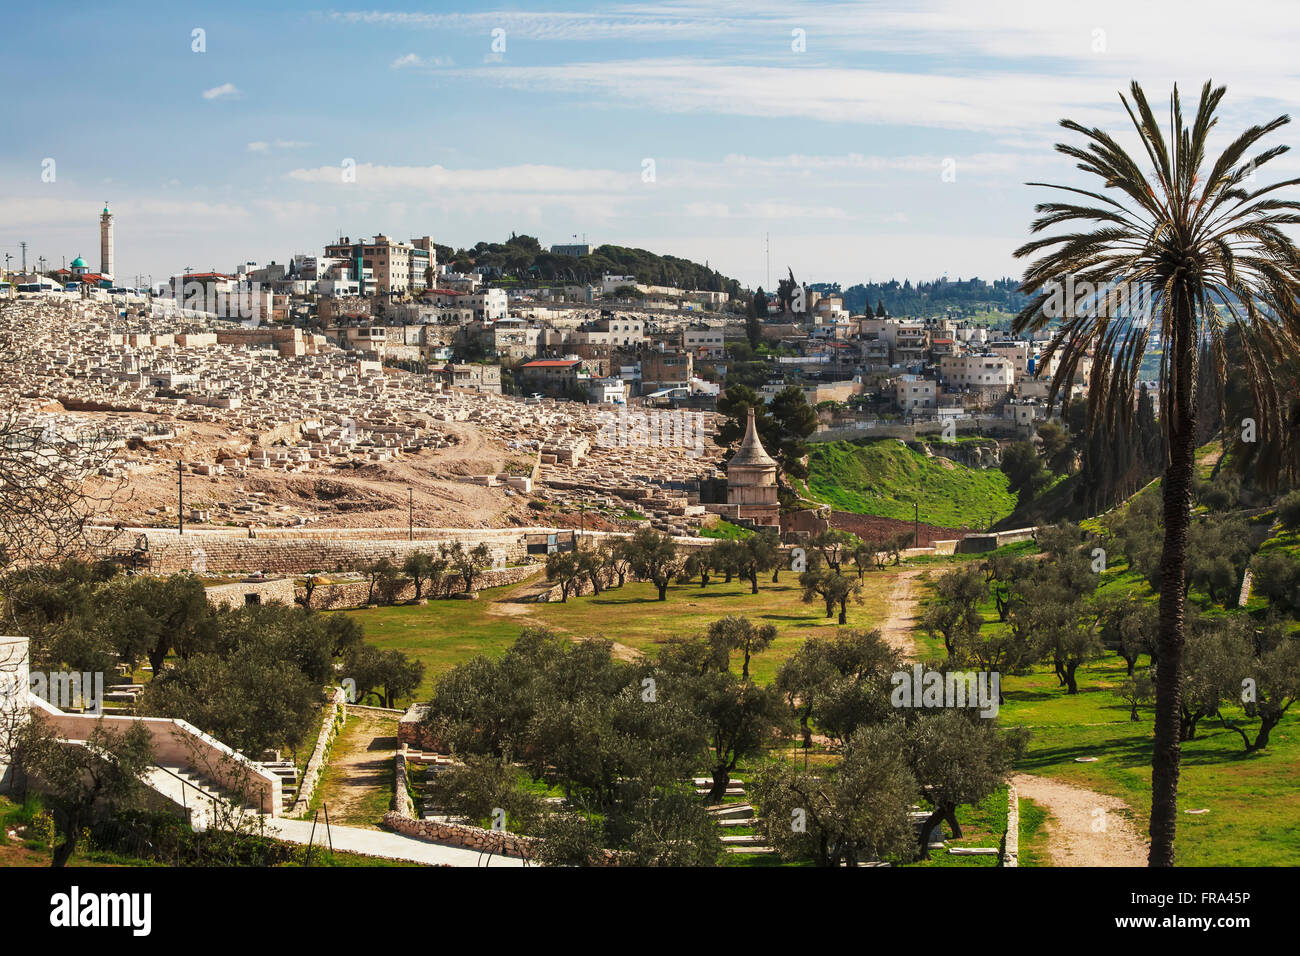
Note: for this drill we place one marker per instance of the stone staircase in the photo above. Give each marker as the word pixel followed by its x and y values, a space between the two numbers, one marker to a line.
pixel 206 800
pixel 289 779
pixel 736 815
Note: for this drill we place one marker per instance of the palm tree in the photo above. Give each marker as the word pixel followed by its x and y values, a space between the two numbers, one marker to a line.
pixel 1207 248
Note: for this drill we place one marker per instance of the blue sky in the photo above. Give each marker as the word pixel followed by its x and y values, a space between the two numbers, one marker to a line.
pixel 837 150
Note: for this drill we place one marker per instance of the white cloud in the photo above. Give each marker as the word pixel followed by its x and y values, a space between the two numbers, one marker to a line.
pixel 630 23
pixel 221 92
pixel 505 179
pixel 262 146
pixel 415 60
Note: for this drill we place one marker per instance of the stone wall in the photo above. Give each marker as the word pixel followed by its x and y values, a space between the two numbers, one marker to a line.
pixel 1011 842
pixel 982 543
pixel 411 732
pixel 460 834
pixel 169 552
pixel 236 594
pixel 402 804
pixel 336 714
pixel 401 819
pixel 357 593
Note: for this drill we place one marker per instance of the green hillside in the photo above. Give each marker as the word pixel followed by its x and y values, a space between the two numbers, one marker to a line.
pixel 884 477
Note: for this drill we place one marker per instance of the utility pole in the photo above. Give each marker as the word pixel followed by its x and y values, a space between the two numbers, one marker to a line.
pixel 180 496
pixel 916 524
pixel 410 514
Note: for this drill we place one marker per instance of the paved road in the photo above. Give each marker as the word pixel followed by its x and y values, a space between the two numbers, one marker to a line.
pixel 394 846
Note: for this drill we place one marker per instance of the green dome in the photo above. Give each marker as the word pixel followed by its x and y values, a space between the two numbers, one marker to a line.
pixel 78 263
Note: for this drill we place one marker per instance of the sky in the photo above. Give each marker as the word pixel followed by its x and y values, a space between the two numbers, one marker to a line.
pixel 854 141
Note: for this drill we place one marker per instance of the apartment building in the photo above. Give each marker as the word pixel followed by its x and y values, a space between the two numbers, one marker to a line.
pixel 989 371
pixel 704 341
pixel 913 393
pixel 554 376
pixel 476 377
pixel 394 267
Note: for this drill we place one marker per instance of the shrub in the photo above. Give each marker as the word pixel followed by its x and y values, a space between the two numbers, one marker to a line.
pixel 1288 511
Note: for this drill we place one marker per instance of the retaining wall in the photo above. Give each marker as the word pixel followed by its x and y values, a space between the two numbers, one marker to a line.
pixel 357 593
pixel 335 716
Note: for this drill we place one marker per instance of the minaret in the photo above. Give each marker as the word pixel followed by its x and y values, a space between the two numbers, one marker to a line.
pixel 106 242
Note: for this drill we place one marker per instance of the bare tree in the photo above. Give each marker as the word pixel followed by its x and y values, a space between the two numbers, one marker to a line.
pixel 53 485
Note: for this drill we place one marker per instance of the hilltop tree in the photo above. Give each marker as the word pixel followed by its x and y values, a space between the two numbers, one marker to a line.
pixel 754 319
pixel 786 293
pixel 783 426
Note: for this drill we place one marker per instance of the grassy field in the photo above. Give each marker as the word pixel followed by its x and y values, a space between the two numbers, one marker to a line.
pixel 1254 800
pixel 442 634
pixel 446 633
pixel 885 477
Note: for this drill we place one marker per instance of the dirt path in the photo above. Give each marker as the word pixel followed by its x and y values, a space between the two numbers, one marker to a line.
pixel 359 782
pixel 1086 828
pixel 902 614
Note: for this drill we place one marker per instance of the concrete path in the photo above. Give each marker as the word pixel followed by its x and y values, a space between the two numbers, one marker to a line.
pixel 393 846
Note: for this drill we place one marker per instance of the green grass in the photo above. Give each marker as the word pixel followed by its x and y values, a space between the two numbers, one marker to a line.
pixel 724 529
pixel 1253 799
pixel 632 616
pixel 982 825
pixel 1033 834
pixel 443 634
pixel 885 477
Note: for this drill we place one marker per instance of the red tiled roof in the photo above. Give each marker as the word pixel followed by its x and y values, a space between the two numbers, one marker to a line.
pixel 552 363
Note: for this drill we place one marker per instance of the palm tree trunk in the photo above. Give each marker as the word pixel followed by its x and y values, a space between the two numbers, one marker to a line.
pixel 1177 488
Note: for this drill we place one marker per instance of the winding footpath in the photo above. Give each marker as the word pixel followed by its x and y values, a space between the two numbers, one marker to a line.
pixel 1086 828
